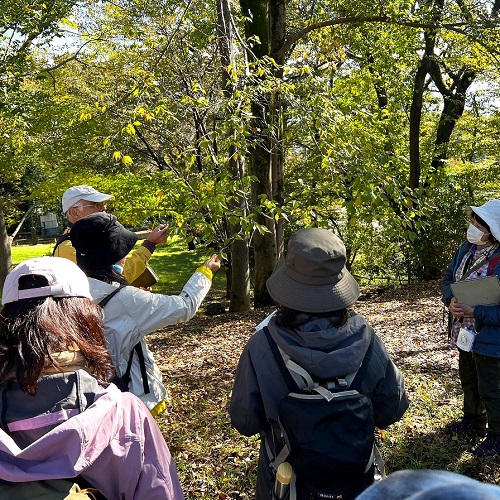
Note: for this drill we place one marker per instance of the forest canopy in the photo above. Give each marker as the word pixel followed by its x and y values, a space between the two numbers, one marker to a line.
pixel 239 122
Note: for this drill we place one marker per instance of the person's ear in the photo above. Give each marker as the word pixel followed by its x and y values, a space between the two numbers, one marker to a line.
pixel 72 214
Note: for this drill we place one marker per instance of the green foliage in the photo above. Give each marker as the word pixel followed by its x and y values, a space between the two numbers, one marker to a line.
pixel 141 113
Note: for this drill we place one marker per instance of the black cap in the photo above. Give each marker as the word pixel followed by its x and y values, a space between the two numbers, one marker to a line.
pixel 100 241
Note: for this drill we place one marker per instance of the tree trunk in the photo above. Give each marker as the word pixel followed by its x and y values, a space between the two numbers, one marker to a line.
pixel 453 108
pixel 277 15
pixel 418 244
pixel 454 97
pixel 5 249
pixel 416 112
pixel 239 271
pixel 240 276
pixel 264 244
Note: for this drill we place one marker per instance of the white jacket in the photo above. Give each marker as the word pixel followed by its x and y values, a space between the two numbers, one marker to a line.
pixel 133 313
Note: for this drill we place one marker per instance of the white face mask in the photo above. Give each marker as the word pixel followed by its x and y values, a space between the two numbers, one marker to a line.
pixel 474 235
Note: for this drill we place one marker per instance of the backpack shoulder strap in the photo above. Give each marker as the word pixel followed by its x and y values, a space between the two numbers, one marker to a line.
pixel 340 383
pixel 290 382
pixel 288 368
pixel 108 297
pixel 343 383
pixel 61 239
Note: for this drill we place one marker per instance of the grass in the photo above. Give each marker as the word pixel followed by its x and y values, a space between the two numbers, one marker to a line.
pixel 172 262
pixel 24 252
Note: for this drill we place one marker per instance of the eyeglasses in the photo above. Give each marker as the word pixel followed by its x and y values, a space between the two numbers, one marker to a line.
pixel 98 205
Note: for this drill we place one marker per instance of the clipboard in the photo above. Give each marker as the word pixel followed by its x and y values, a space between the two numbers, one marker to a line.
pixel 147 279
pixel 484 291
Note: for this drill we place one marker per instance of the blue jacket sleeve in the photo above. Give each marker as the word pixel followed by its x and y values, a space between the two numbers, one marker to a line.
pixel 488 315
pixel 247 408
pixel 449 274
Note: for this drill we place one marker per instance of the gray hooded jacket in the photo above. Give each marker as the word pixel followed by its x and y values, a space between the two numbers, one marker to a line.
pixel 326 351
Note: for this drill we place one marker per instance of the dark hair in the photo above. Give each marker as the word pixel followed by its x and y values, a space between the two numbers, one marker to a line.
pixel 290 318
pixel 32 330
pixel 481 222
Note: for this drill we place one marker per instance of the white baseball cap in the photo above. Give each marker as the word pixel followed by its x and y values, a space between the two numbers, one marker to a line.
pixel 76 193
pixel 65 279
pixel 490 213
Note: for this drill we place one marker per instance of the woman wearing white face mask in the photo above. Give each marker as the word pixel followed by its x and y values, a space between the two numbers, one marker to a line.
pixel 479 369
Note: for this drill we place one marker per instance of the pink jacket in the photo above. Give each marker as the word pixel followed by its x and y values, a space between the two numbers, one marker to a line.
pixel 114 443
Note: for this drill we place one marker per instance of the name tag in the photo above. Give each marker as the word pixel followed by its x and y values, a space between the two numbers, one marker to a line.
pixel 465 339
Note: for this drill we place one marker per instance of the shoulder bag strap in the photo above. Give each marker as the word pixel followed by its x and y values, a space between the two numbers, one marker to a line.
pixel 142 364
pixel 108 297
pixel 479 264
pixel 125 378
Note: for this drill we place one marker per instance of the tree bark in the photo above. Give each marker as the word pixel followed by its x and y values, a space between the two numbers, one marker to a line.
pixel 454 97
pixel 5 249
pixel 453 108
pixel 277 15
pixel 239 266
pixel 264 244
pixel 257 26
pixel 416 112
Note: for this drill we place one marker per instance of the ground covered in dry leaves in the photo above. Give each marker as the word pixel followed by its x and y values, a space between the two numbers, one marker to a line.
pixel 199 358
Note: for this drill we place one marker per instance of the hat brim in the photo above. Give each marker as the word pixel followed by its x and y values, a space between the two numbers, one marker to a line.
pixel 97 197
pixel 312 298
pixel 92 197
pixel 489 219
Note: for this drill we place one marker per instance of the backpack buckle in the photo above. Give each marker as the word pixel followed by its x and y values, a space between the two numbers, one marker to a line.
pixel 342 383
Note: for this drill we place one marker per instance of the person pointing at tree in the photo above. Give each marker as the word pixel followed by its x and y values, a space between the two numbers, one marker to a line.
pixel 130 314
pixel 79 202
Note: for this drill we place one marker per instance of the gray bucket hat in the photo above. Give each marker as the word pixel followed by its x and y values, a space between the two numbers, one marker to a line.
pixel 313 277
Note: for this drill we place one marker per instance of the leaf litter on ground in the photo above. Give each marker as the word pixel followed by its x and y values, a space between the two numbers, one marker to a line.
pixel 199 359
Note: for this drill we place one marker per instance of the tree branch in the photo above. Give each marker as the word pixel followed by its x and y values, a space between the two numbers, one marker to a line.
pixel 294 37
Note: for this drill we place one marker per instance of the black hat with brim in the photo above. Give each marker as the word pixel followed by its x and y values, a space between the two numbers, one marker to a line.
pixel 100 241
